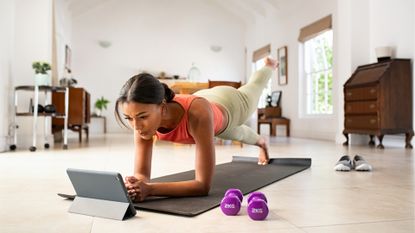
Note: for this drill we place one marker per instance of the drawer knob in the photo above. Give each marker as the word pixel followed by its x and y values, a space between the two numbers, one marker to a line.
pixel 373 90
pixel 372 121
pixel 372 106
pixel 349 93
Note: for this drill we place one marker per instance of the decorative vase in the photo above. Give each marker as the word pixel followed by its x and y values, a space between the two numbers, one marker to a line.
pixel 98 112
pixel 194 74
pixel 42 80
pixel 383 53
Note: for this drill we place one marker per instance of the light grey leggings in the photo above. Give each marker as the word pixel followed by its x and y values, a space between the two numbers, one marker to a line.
pixel 239 104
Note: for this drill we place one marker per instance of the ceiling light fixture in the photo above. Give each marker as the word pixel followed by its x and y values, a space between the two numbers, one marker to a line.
pixel 216 48
pixel 104 44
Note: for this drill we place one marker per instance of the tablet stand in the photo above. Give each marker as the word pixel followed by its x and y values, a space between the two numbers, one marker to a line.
pixel 101 208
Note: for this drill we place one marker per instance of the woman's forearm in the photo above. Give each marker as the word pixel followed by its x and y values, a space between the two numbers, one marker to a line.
pixel 179 189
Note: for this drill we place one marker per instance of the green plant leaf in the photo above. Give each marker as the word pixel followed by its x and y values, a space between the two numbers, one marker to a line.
pixel 41 67
pixel 101 103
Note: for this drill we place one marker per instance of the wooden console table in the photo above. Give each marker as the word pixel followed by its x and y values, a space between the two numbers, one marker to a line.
pixel 272 117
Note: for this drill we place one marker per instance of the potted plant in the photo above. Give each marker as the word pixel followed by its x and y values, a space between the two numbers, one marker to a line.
pixel 42 69
pixel 100 105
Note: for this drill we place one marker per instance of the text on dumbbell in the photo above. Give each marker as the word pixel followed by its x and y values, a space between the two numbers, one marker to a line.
pixel 230 206
pixel 256 211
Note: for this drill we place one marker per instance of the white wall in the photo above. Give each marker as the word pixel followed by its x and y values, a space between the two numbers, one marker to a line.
pixel 32 42
pixel 281 28
pixel 30 33
pixel 373 23
pixel 342 59
pixel 359 27
pixel 392 24
pixel 153 36
pixel 63 33
pixel 33 35
pixel 260 33
pixel 6 45
pixel 360 33
pixel 159 36
pixel 353 47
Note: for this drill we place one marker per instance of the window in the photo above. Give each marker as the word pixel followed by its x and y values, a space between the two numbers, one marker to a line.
pixel 317 67
pixel 318 74
pixel 258 61
pixel 316 82
pixel 267 90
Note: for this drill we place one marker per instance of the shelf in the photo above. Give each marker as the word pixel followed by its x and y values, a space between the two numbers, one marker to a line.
pixel 58 115
pixel 171 78
pixel 37 90
pixel 41 88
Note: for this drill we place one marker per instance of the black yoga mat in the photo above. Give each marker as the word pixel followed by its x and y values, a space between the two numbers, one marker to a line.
pixel 243 173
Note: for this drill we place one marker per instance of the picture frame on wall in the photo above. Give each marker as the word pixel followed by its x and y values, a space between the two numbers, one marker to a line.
pixel 283 66
pixel 68 55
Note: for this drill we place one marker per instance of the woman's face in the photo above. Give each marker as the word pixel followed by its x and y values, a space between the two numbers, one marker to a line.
pixel 145 118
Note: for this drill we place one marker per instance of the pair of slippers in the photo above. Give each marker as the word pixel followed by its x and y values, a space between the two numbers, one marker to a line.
pixel 358 163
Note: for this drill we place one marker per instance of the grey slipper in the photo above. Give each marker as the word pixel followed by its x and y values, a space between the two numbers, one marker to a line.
pixel 344 164
pixel 360 164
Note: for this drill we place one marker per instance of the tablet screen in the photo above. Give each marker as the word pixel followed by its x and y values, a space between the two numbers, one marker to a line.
pixel 98 184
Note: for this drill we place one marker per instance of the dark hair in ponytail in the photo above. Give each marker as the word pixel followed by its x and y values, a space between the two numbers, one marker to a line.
pixel 142 88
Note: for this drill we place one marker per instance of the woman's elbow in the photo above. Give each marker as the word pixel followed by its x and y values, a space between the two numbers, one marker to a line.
pixel 204 189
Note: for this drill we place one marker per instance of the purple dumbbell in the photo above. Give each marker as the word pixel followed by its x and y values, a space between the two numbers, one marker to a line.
pixel 257 206
pixel 231 203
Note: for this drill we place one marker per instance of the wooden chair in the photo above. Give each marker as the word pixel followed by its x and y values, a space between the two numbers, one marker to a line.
pixel 225 83
pixel 272 117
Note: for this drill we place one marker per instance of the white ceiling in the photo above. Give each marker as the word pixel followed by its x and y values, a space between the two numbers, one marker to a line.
pixel 245 10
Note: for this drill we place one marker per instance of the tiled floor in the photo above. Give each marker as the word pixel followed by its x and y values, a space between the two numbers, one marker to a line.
pixel 316 200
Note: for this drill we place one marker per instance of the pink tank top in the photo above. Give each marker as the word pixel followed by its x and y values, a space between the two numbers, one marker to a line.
pixel 181 133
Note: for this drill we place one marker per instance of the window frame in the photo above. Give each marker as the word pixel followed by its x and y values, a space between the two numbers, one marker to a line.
pixel 304 98
pixel 257 56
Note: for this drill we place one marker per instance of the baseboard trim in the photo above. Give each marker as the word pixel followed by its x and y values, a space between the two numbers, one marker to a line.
pixel 363 139
pixel 319 135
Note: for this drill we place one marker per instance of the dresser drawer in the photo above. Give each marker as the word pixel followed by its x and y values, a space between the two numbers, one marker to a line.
pixel 361 122
pixel 361 107
pixel 361 93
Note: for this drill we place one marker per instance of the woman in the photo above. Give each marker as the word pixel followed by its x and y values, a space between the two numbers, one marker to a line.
pixel 152 109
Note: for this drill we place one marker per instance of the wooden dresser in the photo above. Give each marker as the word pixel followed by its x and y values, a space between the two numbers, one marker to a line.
pixel 378 101
pixel 79 115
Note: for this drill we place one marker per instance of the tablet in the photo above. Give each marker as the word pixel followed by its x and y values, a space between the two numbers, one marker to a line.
pixel 100 190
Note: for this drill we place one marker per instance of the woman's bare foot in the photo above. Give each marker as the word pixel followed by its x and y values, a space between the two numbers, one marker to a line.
pixel 272 63
pixel 263 157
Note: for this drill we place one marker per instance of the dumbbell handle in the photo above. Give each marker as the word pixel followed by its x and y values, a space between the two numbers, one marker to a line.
pixel 257 195
pixel 235 192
